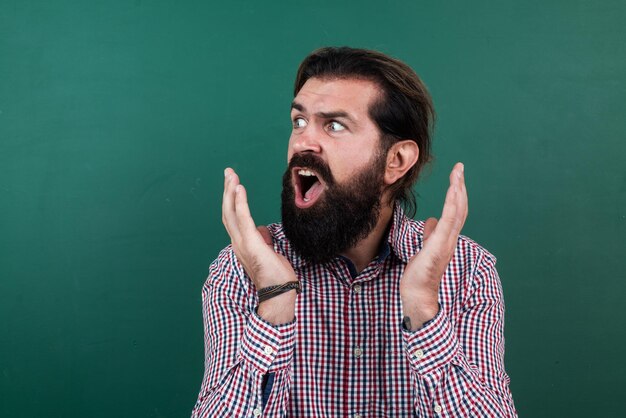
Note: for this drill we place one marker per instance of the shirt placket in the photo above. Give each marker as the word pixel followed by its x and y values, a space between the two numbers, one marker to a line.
pixel 360 350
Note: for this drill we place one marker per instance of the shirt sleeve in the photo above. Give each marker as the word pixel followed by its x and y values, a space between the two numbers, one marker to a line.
pixel 457 363
pixel 240 348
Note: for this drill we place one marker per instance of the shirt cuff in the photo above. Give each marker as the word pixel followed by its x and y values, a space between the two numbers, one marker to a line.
pixel 432 346
pixel 268 347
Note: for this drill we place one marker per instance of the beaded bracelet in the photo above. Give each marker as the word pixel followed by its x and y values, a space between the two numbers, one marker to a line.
pixel 271 291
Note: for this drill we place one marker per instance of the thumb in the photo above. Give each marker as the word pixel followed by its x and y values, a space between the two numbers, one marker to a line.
pixel 265 233
pixel 429 227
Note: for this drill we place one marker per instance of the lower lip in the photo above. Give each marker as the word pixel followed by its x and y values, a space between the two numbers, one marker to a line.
pixel 302 204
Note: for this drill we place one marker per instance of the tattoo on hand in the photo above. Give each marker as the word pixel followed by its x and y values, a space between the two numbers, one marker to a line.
pixel 407 323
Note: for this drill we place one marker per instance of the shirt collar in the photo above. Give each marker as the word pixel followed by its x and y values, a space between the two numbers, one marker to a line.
pixel 405 235
pixel 283 246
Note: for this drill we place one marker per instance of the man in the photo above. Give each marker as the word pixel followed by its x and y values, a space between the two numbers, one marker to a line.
pixel 349 308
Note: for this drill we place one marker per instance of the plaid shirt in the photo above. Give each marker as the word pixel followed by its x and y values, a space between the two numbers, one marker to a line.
pixel 347 354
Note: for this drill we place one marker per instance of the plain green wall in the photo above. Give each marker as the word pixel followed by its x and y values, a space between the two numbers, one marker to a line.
pixel 118 117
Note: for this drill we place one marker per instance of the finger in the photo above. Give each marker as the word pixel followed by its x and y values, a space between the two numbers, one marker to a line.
pixel 455 205
pixel 447 230
pixel 228 204
pixel 245 222
pixel 463 202
pixel 461 197
pixel 429 227
pixel 227 174
pixel 265 233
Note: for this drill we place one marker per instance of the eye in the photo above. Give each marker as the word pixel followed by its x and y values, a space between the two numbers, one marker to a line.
pixel 299 123
pixel 335 126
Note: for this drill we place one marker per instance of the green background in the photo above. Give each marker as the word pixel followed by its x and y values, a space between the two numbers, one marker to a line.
pixel 118 117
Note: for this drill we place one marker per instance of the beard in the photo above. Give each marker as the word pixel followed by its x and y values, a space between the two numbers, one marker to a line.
pixel 343 215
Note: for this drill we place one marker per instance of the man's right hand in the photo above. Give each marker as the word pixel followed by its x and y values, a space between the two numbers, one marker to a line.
pixel 254 250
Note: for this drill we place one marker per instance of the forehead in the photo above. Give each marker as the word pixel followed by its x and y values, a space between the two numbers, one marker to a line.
pixel 351 95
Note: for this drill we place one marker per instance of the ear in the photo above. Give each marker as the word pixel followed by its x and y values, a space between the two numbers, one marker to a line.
pixel 400 158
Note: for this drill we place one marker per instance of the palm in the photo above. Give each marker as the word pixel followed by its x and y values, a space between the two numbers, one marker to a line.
pixel 420 282
pixel 252 245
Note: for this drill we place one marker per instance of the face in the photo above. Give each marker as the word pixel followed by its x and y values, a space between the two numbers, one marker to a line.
pixel 332 188
pixel 331 120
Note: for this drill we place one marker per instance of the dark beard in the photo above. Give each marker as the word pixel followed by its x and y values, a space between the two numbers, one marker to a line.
pixel 344 215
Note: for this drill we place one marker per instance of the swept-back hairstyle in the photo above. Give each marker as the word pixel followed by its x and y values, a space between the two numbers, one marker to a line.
pixel 404 110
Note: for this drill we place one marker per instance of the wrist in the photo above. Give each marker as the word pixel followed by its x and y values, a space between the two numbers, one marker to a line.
pixel 417 310
pixel 279 309
pixel 418 321
pixel 269 292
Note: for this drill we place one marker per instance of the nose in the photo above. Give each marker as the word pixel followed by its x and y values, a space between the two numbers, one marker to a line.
pixel 306 140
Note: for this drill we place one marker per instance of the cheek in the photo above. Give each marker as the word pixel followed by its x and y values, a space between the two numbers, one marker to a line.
pixel 352 161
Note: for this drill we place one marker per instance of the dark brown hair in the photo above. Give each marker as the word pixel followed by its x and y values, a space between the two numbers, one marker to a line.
pixel 403 111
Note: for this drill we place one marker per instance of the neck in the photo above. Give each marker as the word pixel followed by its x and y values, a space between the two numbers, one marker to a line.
pixel 366 249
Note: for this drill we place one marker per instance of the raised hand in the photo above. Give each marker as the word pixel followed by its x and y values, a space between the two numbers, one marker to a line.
pixel 419 286
pixel 253 248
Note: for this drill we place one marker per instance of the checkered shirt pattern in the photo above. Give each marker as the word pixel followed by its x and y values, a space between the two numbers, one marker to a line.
pixel 347 354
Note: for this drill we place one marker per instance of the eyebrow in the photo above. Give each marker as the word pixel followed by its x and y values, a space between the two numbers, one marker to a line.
pixel 325 115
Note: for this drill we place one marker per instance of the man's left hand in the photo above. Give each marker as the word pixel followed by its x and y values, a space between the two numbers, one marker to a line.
pixel 419 286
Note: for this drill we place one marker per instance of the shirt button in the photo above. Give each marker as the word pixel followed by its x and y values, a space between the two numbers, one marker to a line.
pixel 268 350
pixel 419 354
pixel 256 412
pixel 358 352
pixel 357 288
pixel 438 409
pixel 356 416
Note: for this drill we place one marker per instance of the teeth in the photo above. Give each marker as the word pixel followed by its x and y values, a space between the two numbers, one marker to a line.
pixel 307 173
pixel 306 199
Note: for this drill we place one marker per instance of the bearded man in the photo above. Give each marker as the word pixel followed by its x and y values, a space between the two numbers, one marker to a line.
pixel 349 308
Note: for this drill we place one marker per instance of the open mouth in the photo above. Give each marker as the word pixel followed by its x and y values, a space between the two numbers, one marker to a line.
pixel 308 186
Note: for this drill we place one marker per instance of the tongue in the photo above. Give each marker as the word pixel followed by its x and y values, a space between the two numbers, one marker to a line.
pixel 312 190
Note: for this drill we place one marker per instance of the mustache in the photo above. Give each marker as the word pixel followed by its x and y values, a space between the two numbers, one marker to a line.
pixel 313 162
